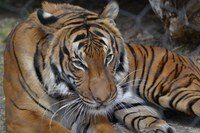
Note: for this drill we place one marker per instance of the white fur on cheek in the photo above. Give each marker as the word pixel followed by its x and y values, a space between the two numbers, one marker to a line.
pixel 49 81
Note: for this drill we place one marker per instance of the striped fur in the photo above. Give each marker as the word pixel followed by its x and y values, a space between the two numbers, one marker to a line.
pixel 67 68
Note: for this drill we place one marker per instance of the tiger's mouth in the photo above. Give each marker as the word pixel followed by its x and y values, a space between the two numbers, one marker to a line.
pixel 95 107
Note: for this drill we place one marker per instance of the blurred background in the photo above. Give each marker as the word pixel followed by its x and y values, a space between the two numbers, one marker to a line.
pixel 172 24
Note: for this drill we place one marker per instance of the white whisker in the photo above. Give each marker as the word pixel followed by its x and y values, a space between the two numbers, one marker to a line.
pixel 136 101
pixel 140 85
pixel 129 75
pixel 73 110
pixel 54 105
pixel 130 82
pixel 67 111
pixel 60 110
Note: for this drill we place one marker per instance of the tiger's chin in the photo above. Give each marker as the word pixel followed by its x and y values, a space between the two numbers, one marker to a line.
pixel 100 110
pixel 106 108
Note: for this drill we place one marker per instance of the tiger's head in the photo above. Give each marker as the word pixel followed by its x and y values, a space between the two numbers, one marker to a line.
pixel 83 55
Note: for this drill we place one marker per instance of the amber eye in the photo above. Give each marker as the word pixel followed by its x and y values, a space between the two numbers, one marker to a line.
pixel 109 58
pixel 78 64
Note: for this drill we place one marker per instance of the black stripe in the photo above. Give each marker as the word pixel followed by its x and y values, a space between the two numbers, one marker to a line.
pixel 153 122
pixel 86 127
pixel 20 71
pixel 81 45
pixel 79 37
pixel 154 96
pixel 17 106
pixel 46 21
pixel 124 105
pixel 191 103
pixel 187 83
pixel 78 22
pixel 37 65
pixel 161 93
pixel 65 50
pixel 36 58
pixel 59 79
pixel 177 94
pixel 103 42
pixel 159 71
pixel 86 26
pixel 115 41
pixel 179 59
pixel 194 66
pixel 54 70
pixel 147 53
pixel 173 57
pixel 143 71
pixel 98 33
pixel 184 97
pixel 77 116
pixel 24 88
pixel 173 80
pixel 61 59
pixel 65 79
pixel 135 62
pixel 75 23
pixel 182 58
pixel 148 72
pixel 125 86
pixel 127 114
pixel 140 117
pixel 120 67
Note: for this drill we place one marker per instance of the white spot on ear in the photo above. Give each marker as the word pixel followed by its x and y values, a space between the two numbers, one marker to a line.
pixel 47 15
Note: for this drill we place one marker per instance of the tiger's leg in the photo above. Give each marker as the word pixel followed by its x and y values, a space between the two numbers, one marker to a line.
pixel 102 125
pixel 20 120
pixel 183 95
pixel 140 117
pixel 96 124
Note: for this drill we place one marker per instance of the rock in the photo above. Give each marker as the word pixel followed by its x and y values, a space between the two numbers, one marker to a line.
pixel 181 19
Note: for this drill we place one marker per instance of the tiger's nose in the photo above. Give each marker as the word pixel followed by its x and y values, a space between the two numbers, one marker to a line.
pixel 102 97
pixel 100 100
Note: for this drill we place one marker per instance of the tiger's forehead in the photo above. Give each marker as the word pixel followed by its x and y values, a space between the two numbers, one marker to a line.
pixel 90 42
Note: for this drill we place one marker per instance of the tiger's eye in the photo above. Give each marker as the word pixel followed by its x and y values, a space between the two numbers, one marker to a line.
pixel 109 58
pixel 78 64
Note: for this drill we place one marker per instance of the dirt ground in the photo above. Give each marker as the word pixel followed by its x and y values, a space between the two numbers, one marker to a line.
pixel 143 28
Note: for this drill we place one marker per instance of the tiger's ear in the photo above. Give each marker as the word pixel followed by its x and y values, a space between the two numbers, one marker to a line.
pixel 110 11
pixel 46 18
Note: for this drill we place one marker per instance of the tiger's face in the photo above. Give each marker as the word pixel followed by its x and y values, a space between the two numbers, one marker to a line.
pixel 86 60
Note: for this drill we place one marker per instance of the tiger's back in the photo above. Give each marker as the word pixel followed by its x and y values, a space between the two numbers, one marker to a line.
pixel 165 78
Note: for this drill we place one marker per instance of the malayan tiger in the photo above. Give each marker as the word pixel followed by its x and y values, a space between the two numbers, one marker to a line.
pixel 68 69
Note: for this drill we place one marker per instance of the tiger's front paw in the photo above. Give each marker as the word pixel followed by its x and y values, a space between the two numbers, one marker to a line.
pixel 102 125
pixel 159 127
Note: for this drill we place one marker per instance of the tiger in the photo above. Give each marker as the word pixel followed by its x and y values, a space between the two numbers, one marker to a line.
pixel 68 69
